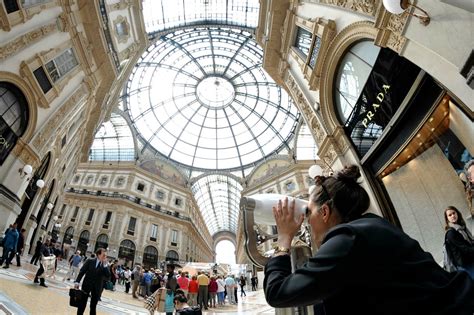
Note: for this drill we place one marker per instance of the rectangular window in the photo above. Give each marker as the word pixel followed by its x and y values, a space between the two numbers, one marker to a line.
pixel 160 195
pixel 11 6
pixel 63 142
pixel 74 216
pixel 42 79
pixel 61 65
pixel 90 216
pixel 303 41
pixel 178 202
pixel 108 216
pixel 154 232
pixel 63 209
pixel 174 237
pixel 140 187
pixel 131 225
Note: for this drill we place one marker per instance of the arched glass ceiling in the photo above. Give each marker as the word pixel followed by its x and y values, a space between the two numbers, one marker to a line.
pixel 200 98
pixel 218 198
pixel 113 141
pixel 306 147
pixel 162 15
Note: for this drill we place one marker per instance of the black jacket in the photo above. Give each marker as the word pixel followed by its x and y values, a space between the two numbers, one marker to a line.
pixel 462 253
pixel 369 266
pixel 94 277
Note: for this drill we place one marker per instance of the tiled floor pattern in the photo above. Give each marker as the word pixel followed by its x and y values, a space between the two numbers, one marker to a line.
pixel 19 295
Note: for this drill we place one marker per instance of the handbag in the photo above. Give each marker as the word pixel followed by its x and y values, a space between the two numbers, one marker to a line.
pixel 77 297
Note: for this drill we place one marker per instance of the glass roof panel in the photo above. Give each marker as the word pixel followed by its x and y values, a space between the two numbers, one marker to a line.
pixel 196 92
pixel 306 147
pixel 113 141
pixel 218 198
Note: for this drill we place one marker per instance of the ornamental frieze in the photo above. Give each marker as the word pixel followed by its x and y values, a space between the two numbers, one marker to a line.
pixel 27 39
pixel 367 7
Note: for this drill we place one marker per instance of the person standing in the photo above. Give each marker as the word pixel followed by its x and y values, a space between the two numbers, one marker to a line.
pixel 229 286
pixel 254 283
pixel 212 292
pixel 220 290
pixel 95 271
pixel 136 280
pixel 183 283
pixel 193 290
pixel 74 264
pixel 10 242
pixel 364 264
pixel 459 240
pixel 203 282
pixel 127 274
pixel 37 254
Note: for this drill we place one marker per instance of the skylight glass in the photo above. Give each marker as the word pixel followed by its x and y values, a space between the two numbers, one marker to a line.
pixel 200 98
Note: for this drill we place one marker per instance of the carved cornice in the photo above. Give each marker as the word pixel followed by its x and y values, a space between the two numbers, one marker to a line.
pixel 25 153
pixel 390 30
pixel 367 7
pixel 54 122
pixel 27 39
pixel 123 4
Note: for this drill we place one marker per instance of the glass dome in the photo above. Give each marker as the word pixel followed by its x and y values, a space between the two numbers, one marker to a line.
pixel 201 98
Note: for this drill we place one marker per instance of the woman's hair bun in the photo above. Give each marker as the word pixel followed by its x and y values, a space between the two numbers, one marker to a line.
pixel 349 173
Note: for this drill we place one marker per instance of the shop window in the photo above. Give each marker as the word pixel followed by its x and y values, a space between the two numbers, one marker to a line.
pixel 14 117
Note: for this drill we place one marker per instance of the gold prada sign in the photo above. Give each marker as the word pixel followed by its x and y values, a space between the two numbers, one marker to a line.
pixel 375 106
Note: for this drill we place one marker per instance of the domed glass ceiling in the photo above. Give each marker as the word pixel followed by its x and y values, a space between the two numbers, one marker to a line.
pixel 200 98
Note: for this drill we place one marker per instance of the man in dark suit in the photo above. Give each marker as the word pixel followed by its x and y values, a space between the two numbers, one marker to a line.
pixel 95 271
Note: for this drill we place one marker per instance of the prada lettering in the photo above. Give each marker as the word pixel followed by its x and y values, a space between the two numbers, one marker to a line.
pixel 4 143
pixel 375 106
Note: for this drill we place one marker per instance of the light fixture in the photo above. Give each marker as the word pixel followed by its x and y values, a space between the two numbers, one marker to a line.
pixel 401 6
pixel 314 171
pixel 26 170
pixel 40 183
pixel 55 218
pixel 49 206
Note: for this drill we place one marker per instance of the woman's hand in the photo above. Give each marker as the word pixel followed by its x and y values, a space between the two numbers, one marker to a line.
pixel 286 222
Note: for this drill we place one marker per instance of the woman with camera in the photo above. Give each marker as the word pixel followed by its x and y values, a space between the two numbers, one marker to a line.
pixel 364 264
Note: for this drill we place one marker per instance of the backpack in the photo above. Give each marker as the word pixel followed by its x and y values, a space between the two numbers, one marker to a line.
pixel 448 263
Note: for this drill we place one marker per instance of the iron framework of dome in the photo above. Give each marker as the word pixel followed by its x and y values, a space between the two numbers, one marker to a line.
pixel 200 98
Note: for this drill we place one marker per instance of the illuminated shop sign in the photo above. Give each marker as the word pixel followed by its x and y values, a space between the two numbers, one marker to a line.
pixel 387 86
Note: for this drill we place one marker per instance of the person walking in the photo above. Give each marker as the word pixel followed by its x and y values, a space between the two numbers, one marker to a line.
pixel 10 242
pixel 46 258
pixel 242 283
pixel 459 240
pixel 74 265
pixel 94 271
pixel 183 283
pixel 19 248
pixel 37 253
pixel 364 264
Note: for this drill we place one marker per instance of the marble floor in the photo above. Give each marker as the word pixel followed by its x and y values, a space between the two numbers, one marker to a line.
pixel 19 295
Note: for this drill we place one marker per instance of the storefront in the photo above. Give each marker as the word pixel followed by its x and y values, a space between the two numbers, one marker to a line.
pixel 411 135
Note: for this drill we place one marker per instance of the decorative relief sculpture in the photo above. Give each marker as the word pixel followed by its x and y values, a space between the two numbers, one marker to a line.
pixel 368 7
pixel 27 39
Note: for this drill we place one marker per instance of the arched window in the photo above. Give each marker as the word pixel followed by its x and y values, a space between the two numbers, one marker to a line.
pixel 68 235
pixel 102 241
pixel 83 242
pixel 150 257
pixel 172 255
pixel 127 252
pixel 14 116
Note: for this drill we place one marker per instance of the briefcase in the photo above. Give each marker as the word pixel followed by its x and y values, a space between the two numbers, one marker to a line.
pixel 77 297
